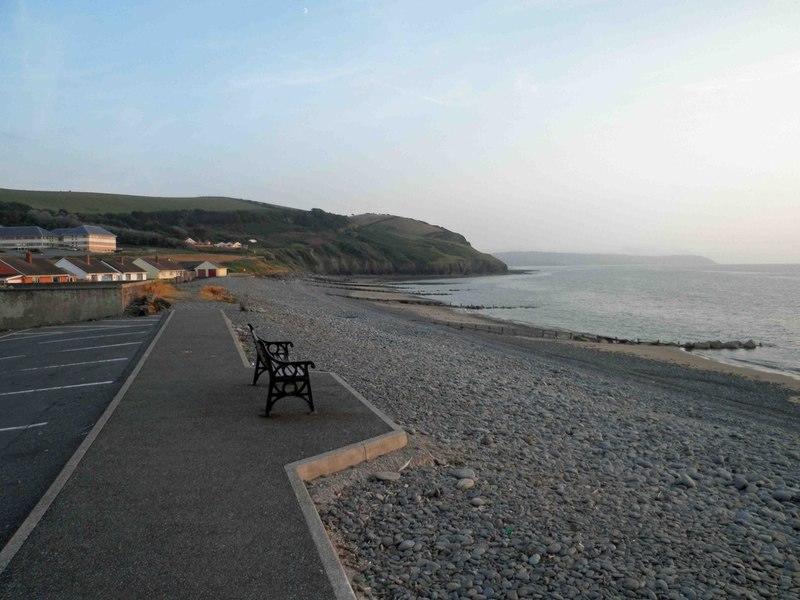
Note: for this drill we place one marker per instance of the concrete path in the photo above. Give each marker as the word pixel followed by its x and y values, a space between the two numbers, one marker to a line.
pixel 183 494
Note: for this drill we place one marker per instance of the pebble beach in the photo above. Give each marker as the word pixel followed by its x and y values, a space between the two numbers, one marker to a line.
pixel 540 469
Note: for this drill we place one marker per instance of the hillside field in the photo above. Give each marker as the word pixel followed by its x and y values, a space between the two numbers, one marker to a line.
pixel 285 239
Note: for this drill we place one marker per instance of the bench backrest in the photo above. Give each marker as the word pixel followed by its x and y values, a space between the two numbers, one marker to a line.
pixel 269 351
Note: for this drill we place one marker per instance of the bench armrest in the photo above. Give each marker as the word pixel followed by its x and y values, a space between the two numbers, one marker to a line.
pixel 298 368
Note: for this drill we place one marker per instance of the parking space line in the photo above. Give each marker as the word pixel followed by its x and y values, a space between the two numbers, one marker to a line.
pixel 15 356
pixel 106 346
pixel 12 333
pixel 75 364
pixel 31 336
pixel 58 387
pixel 94 337
pixel 18 427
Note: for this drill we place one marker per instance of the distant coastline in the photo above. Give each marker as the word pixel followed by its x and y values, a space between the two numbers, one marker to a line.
pixel 563 259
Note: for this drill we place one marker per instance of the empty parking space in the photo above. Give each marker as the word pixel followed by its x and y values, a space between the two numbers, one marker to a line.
pixel 55 383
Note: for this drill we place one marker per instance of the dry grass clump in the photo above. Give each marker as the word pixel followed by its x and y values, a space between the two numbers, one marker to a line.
pixel 155 297
pixel 161 289
pixel 216 293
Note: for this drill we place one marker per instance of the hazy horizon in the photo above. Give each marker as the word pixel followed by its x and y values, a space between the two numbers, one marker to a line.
pixel 575 126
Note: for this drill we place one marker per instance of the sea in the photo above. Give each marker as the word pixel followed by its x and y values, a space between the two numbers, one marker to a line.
pixel 671 304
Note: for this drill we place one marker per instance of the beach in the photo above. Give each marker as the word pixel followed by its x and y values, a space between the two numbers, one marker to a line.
pixel 546 469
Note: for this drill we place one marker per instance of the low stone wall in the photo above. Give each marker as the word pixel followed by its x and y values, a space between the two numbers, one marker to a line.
pixel 23 306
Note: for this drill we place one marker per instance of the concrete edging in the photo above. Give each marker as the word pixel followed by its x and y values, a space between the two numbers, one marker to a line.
pixel 236 340
pixel 32 520
pixel 327 463
pixel 334 461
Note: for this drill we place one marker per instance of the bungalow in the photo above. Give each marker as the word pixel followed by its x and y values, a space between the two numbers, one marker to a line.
pixel 126 268
pixel 205 268
pixel 88 269
pixel 14 269
pixel 160 268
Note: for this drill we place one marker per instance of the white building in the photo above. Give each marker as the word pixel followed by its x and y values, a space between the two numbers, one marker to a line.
pixel 128 270
pixel 88 269
pixel 160 268
pixel 26 237
pixel 89 238
pixel 205 268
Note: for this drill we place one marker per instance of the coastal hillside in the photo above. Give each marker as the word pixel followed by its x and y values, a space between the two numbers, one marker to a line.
pixel 87 203
pixel 558 259
pixel 285 238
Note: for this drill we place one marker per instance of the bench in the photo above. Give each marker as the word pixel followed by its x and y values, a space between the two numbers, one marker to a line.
pixel 286 378
pixel 277 349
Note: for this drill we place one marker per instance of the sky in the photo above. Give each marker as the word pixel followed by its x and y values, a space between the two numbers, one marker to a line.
pixel 577 126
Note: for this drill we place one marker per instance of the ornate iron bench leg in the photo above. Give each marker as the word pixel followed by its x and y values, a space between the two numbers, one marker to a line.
pixel 310 397
pixel 271 399
pixel 259 369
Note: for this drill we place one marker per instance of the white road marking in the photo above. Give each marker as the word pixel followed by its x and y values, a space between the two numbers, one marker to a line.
pixel 59 387
pixel 106 346
pixel 29 336
pixel 15 356
pixel 32 425
pixel 12 333
pixel 94 337
pixel 75 364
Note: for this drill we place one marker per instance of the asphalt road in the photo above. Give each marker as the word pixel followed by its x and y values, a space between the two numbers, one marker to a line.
pixel 55 383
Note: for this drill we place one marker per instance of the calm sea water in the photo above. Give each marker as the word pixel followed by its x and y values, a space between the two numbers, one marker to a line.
pixel 725 302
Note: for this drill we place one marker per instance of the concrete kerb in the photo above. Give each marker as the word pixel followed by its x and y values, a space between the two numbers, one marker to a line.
pixel 328 463
pixel 235 337
pixel 334 461
pixel 29 524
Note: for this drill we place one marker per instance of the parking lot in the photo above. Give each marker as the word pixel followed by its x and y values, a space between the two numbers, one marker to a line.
pixel 55 383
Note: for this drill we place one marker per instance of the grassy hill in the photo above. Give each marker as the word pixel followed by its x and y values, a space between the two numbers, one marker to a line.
pixel 286 238
pixel 87 203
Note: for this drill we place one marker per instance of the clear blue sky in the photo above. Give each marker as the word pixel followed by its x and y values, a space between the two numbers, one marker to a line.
pixel 575 125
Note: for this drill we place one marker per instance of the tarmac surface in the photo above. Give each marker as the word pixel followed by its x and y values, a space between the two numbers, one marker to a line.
pixel 54 384
pixel 183 494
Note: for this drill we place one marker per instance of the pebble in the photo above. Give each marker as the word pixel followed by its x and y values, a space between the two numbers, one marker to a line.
pixel 739 482
pixel 387 475
pixel 463 473
pixel 405 545
pixel 784 495
pixel 465 484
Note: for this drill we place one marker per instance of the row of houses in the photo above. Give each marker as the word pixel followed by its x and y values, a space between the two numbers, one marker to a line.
pixel 228 245
pixel 33 269
pixel 86 238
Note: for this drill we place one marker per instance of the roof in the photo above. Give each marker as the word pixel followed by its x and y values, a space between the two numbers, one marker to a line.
pixel 83 230
pixel 37 266
pixel 193 264
pixel 96 266
pixel 25 231
pixel 163 265
pixel 123 267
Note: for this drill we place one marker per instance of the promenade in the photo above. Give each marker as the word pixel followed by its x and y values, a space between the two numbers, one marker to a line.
pixel 184 494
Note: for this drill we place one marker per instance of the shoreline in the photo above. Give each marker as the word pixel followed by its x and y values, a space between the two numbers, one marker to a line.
pixel 437 312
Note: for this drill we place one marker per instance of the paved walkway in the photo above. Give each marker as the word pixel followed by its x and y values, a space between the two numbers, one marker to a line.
pixel 183 494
